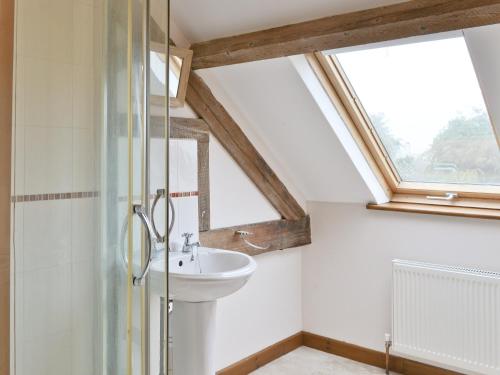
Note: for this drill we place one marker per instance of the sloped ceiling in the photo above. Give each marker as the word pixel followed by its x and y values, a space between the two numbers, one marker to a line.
pixel 273 102
pixel 207 19
pixel 269 99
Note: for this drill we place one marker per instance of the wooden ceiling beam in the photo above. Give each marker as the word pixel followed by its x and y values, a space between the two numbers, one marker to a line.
pixel 402 20
pixel 234 140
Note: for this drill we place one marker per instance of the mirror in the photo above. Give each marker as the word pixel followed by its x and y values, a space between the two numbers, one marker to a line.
pixel 179 68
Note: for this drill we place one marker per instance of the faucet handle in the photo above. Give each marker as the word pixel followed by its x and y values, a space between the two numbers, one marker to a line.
pixel 187 236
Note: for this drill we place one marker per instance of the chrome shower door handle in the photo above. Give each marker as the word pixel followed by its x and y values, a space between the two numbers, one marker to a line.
pixel 139 210
pixel 160 193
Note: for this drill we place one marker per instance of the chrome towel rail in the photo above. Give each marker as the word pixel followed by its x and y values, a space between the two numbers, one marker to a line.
pixel 244 234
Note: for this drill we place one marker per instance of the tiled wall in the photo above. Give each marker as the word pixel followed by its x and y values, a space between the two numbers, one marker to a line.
pixel 55 182
pixel 183 181
pixel 54 185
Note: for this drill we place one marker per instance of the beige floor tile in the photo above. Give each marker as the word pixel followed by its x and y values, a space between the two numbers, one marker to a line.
pixel 307 361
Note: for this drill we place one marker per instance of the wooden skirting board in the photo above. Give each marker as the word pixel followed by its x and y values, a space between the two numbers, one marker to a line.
pixel 263 357
pixel 343 349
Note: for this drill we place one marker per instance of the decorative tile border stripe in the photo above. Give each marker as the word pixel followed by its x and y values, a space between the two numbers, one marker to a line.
pixel 85 194
pixel 53 196
pixel 184 194
pixel 181 194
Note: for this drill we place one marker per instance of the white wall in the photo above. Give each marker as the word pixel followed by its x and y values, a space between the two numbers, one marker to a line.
pixel 347 269
pixel 269 308
pixel 234 200
pixel 270 101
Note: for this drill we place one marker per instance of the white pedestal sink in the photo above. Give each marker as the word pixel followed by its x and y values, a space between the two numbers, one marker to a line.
pixel 195 285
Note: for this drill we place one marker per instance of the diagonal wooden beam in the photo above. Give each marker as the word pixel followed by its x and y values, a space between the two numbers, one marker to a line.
pixel 402 20
pixel 230 135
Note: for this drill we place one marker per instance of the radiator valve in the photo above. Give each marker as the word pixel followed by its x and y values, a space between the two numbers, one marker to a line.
pixel 388 344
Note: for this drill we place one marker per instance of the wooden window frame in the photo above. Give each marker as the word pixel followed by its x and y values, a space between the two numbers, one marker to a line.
pixel 187 56
pixel 473 200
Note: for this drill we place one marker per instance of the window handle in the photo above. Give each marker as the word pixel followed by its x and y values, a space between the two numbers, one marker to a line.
pixel 446 197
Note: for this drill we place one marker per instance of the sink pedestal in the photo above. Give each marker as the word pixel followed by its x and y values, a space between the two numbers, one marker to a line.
pixel 193 334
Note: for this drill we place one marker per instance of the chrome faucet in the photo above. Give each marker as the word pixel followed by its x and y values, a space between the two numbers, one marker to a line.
pixel 187 247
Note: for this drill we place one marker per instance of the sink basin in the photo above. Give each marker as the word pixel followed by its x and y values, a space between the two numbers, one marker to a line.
pixel 195 286
pixel 212 275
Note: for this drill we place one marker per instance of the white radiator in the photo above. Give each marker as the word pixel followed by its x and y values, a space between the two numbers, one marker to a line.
pixel 448 316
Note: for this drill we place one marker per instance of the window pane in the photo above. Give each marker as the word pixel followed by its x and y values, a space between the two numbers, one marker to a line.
pixel 426 106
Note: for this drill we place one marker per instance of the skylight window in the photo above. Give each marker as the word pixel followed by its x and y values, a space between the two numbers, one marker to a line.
pixel 424 103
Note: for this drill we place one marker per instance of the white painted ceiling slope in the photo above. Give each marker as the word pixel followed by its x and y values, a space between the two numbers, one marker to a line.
pixel 269 100
pixel 208 19
pixel 273 106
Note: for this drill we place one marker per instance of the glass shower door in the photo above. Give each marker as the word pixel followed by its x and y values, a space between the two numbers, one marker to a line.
pixel 83 301
pixel 130 245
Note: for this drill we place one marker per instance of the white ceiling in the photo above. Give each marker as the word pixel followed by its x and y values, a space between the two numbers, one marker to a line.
pixel 269 99
pixel 207 19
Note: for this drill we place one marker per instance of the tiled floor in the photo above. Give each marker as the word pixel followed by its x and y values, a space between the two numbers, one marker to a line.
pixel 307 361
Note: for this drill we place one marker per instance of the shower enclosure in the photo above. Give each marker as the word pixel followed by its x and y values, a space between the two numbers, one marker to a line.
pixel 84 180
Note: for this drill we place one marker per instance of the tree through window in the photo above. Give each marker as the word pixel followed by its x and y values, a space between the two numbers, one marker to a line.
pixel 425 104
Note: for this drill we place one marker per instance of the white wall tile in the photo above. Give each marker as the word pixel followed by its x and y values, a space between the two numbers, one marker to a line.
pixel 60 163
pixel 188 215
pixel 33 28
pixel 60 31
pixel 83 48
pixel 36 160
pixel 84 310
pixel 48 160
pixel 83 97
pixel 175 235
pixel 157 157
pixel 35 88
pixel 19 321
pixel 83 229
pixel 188 165
pixel 184 178
pixel 18 163
pixel 49 355
pixel 19 89
pixel 18 236
pixel 60 91
pixel 47 93
pixel 84 169
pixel 55 152
pixel 47 234
pixel 174 165
pixel 47 301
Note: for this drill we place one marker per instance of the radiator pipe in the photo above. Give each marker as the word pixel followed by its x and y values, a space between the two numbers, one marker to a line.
pixel 388 344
